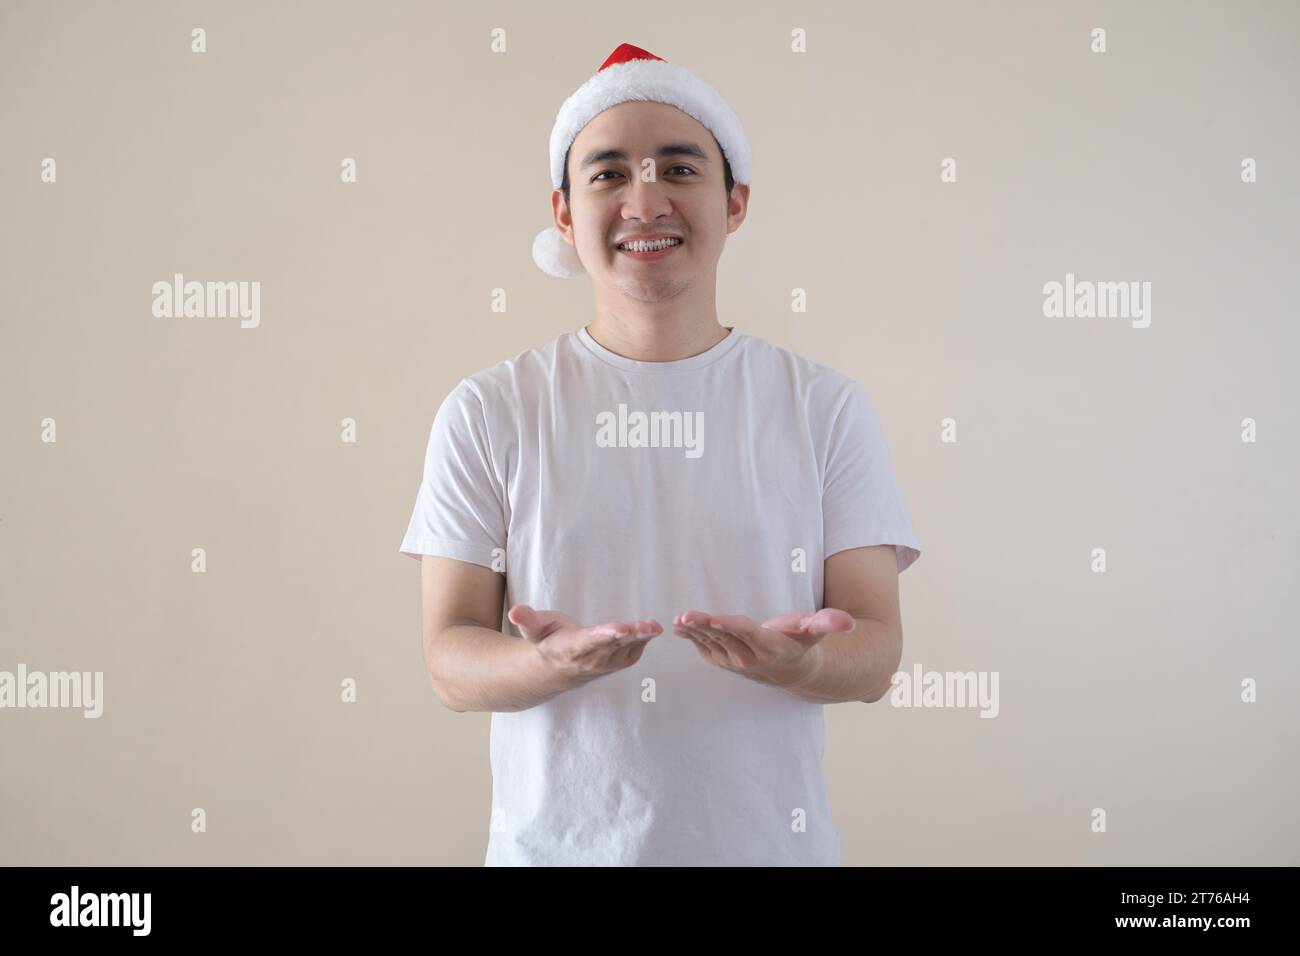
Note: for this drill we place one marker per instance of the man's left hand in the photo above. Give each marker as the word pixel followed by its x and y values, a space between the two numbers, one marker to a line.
pixel 781 651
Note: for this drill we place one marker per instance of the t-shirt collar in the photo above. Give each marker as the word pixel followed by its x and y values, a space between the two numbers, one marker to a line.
pixel 695 361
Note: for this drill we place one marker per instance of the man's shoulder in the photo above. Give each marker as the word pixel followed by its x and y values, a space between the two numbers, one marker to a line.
pixel 506 377
pixel 811 378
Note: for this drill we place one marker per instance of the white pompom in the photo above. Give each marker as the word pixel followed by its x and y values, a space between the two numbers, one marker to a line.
pixel 554 256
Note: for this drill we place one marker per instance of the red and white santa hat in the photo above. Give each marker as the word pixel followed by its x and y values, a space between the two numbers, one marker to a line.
pixel 631 73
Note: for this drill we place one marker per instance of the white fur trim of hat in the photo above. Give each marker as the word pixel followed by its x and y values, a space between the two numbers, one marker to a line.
pixel 630 73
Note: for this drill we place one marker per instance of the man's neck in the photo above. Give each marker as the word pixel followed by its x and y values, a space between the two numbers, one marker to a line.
pixel 665 339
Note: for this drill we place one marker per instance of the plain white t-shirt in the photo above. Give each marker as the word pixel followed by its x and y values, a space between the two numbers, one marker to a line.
pixel 613 489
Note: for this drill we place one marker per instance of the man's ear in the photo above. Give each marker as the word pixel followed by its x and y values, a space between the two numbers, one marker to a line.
pixel 560 213
pixel 737 206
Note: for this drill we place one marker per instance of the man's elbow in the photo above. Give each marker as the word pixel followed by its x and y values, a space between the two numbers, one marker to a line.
pixel 440 690
pixel 884 685
pixel 444 697
pixel 876 693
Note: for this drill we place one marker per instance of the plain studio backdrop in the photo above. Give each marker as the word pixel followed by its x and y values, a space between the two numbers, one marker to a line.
pixel 1120 691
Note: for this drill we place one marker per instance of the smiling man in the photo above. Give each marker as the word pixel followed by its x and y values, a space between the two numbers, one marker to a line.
pixel 555 485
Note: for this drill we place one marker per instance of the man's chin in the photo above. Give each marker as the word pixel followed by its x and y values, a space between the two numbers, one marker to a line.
pixel 652 289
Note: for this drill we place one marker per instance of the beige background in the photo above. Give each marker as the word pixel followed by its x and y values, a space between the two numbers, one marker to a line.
pixel 1118 690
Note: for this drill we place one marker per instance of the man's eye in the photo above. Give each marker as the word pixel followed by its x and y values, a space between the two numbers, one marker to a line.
pixel 596 178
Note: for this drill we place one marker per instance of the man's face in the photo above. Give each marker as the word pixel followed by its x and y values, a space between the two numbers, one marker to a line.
pixel 612 200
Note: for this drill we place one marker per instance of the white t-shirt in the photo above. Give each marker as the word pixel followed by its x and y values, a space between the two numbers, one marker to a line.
pixel 767 464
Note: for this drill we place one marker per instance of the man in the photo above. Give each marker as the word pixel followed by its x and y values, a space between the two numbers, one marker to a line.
pixel 657 466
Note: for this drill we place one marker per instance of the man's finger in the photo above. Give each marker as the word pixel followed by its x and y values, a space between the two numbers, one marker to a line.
pixel 736 625
pixel 601 637
pixel 693 618
pixel 824 621
pixel 535 625
pixel 632 629
pixel 830 619
pixel 524 618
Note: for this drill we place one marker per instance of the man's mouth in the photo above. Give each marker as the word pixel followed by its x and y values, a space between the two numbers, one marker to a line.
pixel 648 249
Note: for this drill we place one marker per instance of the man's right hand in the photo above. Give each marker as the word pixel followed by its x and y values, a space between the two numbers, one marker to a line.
pixel 580 654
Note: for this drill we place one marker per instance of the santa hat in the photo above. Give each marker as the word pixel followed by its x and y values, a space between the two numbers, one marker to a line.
pixel 630 73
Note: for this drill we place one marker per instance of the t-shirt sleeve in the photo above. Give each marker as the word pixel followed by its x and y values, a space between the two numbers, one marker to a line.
pixel 861 502
pixel 460 506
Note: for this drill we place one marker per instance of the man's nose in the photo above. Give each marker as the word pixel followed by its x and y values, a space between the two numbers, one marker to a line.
pixel 646 200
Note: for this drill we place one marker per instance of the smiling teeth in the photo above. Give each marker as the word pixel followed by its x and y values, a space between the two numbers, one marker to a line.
pixel 654 246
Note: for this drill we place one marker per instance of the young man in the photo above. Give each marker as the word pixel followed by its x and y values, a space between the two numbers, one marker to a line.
pixel 656 466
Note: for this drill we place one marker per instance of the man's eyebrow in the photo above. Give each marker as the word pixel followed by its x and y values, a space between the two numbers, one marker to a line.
pixel 665 152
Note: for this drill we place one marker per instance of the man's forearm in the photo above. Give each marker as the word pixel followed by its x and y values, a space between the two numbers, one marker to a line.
pixel 476 668
pixel 847 665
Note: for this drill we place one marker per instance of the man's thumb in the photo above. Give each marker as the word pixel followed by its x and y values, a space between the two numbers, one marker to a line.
pixel 532 624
